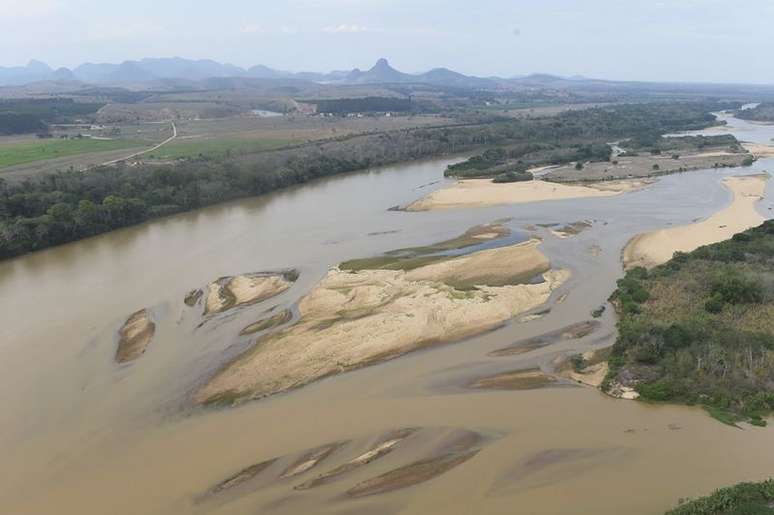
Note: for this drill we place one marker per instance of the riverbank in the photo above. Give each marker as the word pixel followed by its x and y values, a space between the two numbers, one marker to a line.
pixel 700 329
pixel 484 193
pixel 355 319
pixel 653 248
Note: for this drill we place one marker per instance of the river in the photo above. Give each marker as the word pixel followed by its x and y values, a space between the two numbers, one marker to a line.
pixel 80 434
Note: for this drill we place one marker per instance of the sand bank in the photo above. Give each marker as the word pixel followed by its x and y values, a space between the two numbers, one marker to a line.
pixel 435 451
pixel 529 379
pixel 657 247
pixel 230 292
pixel 484 192
pixel 351 320
pixel 759 150
pixel 270 322
pixel 135 336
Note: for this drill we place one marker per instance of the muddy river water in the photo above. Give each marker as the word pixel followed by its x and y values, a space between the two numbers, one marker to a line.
pixel 80 434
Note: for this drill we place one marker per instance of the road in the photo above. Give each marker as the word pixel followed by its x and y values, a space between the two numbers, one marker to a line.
pixel 136 154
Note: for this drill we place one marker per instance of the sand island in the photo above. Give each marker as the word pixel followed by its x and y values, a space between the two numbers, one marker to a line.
pixel 361 316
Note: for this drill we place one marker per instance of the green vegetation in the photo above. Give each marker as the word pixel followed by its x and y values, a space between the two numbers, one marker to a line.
pixel 700 329
pixel 513 176
pixel 742 499
pixel 761 113
pixel 43 149
pixel 24 116
pixel 216 148
pixel 66 206
pixel 657 144
pixel 415 257
pixel 581 136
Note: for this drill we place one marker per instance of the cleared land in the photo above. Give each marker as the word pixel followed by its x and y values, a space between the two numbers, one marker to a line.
pixel 45 149
pixel 645 166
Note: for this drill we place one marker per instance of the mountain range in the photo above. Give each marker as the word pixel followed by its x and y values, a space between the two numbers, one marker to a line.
pixel 151 69
pixel 176 72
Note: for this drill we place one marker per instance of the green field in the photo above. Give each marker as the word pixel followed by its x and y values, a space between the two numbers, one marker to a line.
pixel 216 147
pixel 32 151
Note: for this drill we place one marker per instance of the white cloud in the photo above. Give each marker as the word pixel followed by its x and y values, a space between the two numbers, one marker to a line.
pixel 347 28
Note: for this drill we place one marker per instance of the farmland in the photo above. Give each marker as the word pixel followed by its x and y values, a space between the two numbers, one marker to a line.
pixel 30 150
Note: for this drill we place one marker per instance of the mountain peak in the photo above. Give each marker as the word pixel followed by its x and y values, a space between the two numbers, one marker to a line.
pixel 38 66
pixel 382 64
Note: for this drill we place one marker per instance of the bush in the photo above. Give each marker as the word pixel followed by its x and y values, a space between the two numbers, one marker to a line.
pixel 744 498
pixel 714 304
pixel 734 288
pixel 659 391
pixel 513 176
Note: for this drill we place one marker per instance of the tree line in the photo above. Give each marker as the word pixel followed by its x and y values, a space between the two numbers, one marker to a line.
pixel 56 208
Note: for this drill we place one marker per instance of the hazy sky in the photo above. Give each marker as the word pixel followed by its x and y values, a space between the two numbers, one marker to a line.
pixel 685 40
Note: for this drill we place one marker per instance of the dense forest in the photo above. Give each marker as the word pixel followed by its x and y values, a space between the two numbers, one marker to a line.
pixel 70 205
pixel 700 329
pixel 658 144
pixel 741 499
pixel 761 113
pixel 24 116
pixel 553 144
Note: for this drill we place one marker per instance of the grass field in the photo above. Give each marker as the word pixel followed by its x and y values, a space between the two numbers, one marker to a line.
pixel 216 147
pixel 41 150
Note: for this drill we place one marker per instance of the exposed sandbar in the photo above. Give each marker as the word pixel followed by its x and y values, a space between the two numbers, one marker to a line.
pixel 657 247
pixel 759 150
pixel 383 447
pixel 529 379
pixel 570 332
pixel 461 447
pixel 135 336
pixel 270 322
pixel 229 292
pixel 351 320
pixel 483 192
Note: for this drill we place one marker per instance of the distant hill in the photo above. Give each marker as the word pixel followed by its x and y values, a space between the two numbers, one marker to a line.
pixel 171 72
pixel 177 68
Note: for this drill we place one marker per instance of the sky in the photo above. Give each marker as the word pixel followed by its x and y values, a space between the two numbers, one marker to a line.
pixel 668 40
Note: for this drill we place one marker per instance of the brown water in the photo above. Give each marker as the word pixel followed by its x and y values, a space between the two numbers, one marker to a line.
pixel 82 435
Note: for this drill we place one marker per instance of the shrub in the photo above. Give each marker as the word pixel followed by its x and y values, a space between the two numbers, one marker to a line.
pixel 714 304
pixel 658 391
pixel 734 288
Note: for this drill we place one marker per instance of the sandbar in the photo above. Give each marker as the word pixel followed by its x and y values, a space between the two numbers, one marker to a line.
pixel 657 247
pixel 483 192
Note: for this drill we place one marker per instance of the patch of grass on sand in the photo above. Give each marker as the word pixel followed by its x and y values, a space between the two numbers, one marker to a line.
pixel 389 263
pixel 29 152
pixel 415 257
pixel 216 147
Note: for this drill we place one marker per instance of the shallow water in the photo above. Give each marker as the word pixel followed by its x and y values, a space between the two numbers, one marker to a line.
pixel 80 434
